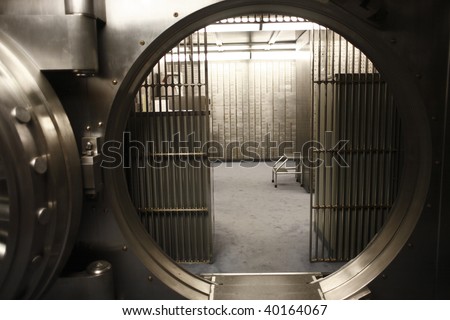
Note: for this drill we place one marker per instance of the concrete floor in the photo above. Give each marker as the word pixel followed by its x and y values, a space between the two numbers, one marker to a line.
pixel 259 228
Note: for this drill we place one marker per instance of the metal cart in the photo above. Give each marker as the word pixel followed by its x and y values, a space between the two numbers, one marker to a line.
pixel 281 167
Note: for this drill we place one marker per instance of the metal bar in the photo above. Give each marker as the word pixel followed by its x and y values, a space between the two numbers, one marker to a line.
pixel 205 134
pixel 260 103
pixel 151 170
pixel 385 131
pixel 391 158
pixel 360 187
pixel 340 175
pixel 352 123
pixel 172 164
pixel 319 170
pixel 236 110
pixel 371 131
pixel 199 137
pixel 224 112
pixel 399 160
pixel 178 183
pixel 175 209
pixel 285 105
pixel 326 245
pixel 334 170
pixel 147 188
pixel 346 113
pixel 157 146
pixel 191 121
pixel 271 133
pixel 377 145
pixel 166 185
pixel 355 206
pixel 312 232
pixel 186 171
pixel 365 139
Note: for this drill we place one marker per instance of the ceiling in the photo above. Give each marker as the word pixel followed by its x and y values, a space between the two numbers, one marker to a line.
pixel 260 37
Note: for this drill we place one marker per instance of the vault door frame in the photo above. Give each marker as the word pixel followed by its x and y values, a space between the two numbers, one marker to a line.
pixel 416 171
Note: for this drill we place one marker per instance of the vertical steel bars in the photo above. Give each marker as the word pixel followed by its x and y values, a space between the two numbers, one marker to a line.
pixel 351 102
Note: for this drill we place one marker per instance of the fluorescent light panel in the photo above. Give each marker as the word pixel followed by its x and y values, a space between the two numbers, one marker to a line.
pixel 233 27
pixel 266 26
pixel 290 26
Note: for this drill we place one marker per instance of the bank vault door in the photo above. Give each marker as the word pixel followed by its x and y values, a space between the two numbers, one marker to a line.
pixel 168 168
pixel 356 152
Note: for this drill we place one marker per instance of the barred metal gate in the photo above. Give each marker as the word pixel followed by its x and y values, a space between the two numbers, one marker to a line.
pixel 169 173
pixel 358 140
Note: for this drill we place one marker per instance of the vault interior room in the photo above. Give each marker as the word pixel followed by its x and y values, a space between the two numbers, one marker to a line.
pixel 249 149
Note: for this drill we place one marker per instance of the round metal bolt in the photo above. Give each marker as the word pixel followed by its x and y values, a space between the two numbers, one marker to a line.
pixel 142 42
pixel 43 215
pixel 393 41
pixel 114 82
pixel 21 114
pixel 39 164
pixel 88 128
pixel 124 248
pixel 89 146
pixel 98 267
pixel 175 14
pixel 384 276
pixel 150 278
pixel 37 259
pixel 410 245
pixel 100 124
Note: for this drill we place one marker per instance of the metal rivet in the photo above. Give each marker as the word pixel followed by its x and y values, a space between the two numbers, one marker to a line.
pixel 88 128
pixel 437 162
pixel 21 114
pixel 43 215
pixel 100 124
pixel 37 259
pixel 98 267
pixel 89 148
pixel 124 248
pixel 142 42
pixel 114 82
pixel 176 14
pixel 384 276
pixel 410 245
pixel 39 164
pixel 150 278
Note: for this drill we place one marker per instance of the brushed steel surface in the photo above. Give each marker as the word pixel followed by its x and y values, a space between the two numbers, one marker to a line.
pixel 286 286
pixel 72 45
pixel 137 35
pixel 41 170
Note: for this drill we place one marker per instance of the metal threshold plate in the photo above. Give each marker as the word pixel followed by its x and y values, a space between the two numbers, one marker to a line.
pixel 264 286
